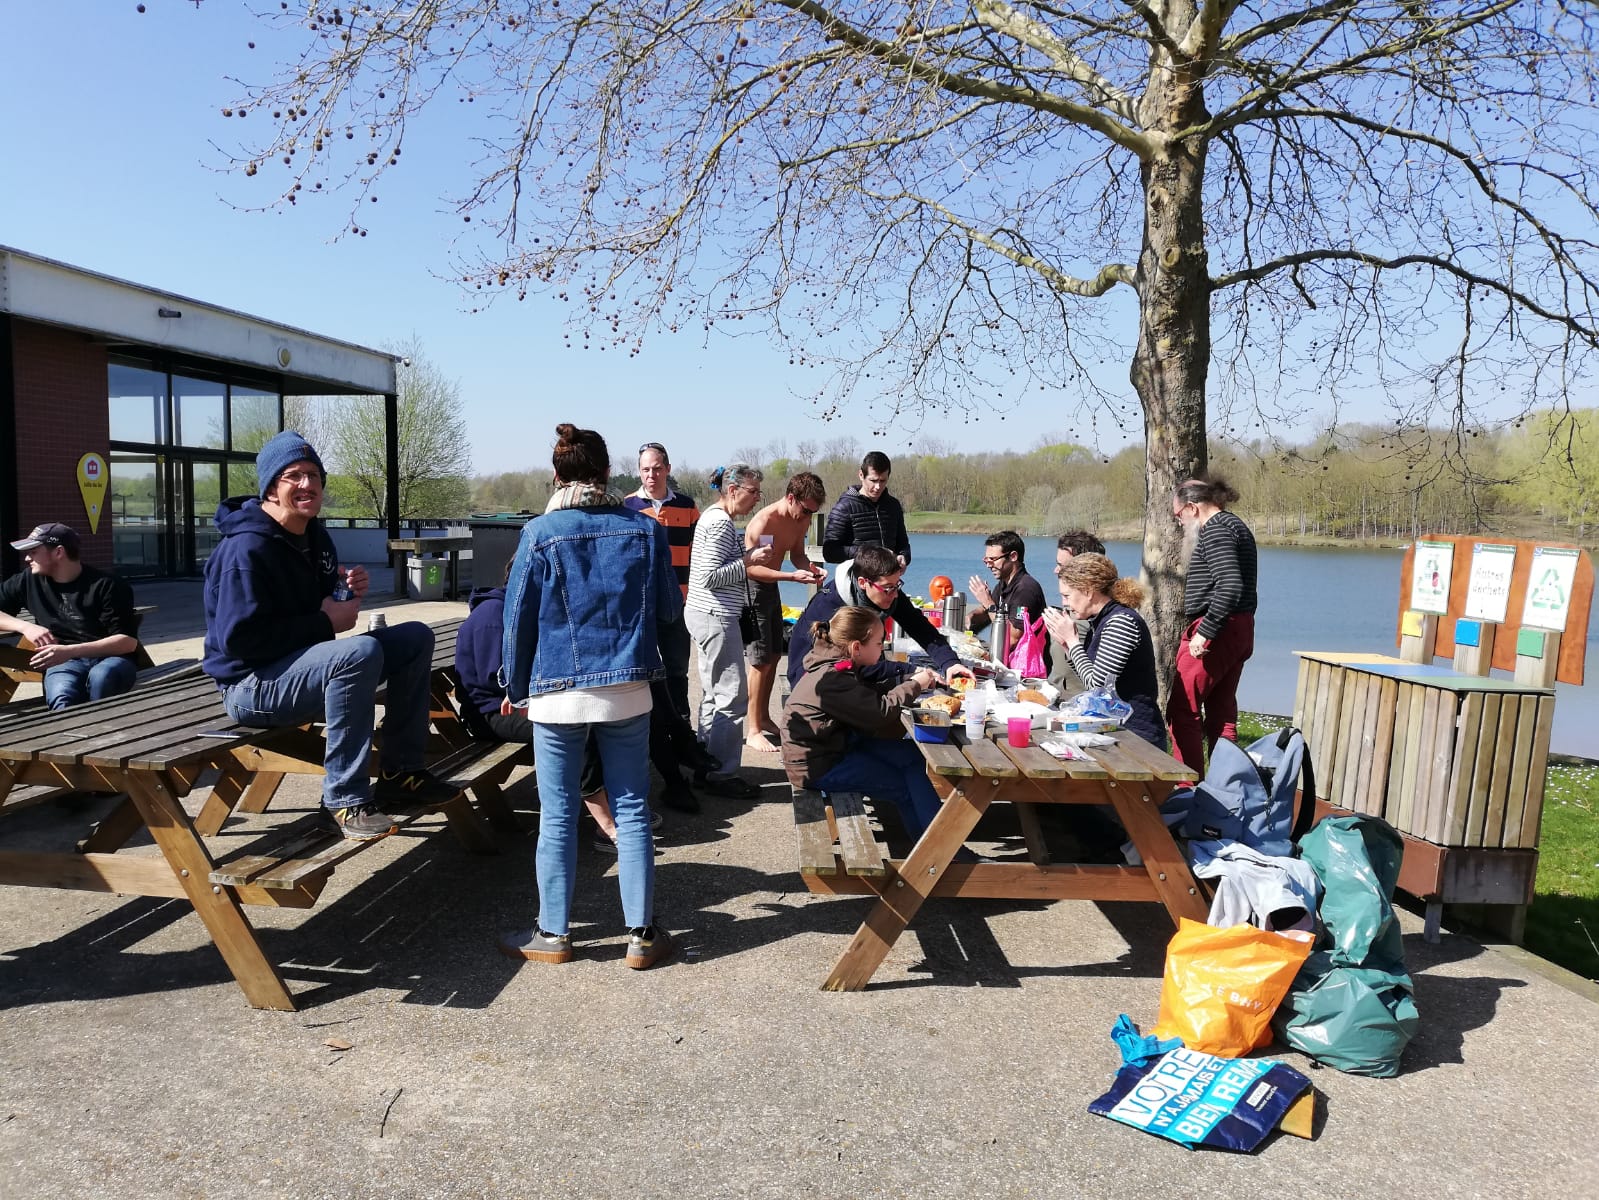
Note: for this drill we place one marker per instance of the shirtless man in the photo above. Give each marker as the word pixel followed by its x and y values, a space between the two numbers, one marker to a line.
pixel 783 526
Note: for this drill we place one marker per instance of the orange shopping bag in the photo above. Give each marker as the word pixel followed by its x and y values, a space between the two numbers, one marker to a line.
pixel 1222 985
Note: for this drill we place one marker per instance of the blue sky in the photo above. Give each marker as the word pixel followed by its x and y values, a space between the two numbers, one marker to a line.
pixel 110 166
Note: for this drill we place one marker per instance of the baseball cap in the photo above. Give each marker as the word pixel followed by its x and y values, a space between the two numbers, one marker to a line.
pixel 51 533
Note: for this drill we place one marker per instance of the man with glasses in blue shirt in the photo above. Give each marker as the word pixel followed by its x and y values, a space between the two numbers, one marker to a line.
pixel 874 579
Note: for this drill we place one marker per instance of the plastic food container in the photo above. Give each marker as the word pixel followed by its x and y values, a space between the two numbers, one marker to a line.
pixel 930 725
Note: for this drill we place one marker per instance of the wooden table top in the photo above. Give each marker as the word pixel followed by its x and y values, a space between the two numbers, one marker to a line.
pixel 427 545
pixel 169 723
pixel 1130 758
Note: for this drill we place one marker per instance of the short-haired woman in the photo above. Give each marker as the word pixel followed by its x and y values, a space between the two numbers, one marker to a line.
pixel 590 584
pixel 718 587
pixel 1219 604
pixel 1118 649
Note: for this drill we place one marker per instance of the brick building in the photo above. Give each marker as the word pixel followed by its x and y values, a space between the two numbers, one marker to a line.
pixel 173 395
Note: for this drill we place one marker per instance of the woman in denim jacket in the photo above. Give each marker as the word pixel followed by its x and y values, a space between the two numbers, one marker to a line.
pixel 589 586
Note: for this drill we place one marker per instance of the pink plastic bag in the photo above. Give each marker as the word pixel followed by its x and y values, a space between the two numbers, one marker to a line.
pixel 1028 654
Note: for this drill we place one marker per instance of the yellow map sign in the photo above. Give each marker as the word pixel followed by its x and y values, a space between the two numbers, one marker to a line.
pixel 93 476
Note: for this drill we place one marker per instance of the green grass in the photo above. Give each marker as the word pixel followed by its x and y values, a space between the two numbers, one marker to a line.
pixel 1563 922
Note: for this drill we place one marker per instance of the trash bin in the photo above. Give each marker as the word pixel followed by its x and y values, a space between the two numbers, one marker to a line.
pixel 425 578
pixel 494 540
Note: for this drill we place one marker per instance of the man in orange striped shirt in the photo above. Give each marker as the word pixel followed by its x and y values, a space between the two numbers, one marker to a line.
pixel 672 738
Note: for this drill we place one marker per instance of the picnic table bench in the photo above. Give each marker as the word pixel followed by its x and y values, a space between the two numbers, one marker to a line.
pixel 839 855
pixel 155 745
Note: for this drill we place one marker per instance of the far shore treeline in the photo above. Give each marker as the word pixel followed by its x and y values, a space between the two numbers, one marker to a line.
pixel 1536 477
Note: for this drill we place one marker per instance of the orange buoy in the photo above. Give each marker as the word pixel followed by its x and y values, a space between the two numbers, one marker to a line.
pixel 940 587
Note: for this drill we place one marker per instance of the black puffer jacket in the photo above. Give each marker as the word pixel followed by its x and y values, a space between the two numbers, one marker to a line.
pixel 856 521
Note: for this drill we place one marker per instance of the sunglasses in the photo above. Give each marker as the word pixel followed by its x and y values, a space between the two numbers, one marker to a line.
pixel 809 510
pixel 655 446
pixel 993 561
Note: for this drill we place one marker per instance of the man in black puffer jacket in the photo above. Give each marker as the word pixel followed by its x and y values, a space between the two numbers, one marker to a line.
pixel 866 515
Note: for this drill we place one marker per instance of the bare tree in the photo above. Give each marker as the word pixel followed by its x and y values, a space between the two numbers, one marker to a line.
pixel 435 453
pixel 933 199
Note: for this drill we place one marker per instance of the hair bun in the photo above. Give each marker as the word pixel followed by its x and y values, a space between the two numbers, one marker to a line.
pixel 565 431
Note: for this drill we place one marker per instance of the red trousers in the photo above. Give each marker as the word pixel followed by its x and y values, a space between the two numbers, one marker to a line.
pixel 1208 685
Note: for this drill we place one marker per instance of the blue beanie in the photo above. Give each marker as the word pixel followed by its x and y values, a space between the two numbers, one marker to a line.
pixel 279 453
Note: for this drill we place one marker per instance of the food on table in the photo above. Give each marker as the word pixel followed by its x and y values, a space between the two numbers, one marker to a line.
pixel 949 705
pixel 961 683
pixel 1033 695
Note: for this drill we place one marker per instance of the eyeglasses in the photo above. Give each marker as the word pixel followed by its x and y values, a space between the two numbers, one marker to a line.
pixel 995 561
pixel 298 478
pixel 885 587
pixel 744 487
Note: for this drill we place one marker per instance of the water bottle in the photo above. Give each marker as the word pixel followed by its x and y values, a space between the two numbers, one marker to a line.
pixel 342 590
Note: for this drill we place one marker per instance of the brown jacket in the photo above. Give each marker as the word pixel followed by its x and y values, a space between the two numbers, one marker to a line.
pixel 830 702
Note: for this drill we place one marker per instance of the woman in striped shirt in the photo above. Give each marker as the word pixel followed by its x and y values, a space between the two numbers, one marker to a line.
pixel 718 586
pixel 1219 606
pixel 1118 649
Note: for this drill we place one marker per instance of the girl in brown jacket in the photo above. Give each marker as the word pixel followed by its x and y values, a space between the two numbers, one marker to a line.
pixel 842 733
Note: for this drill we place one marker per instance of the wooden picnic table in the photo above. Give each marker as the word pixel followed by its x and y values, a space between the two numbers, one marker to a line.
pixel 16 659
pixel 1132 777
pixel 154 745
pixel 431 545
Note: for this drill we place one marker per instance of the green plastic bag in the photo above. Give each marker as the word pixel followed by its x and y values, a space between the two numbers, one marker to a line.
pixel 1351 1005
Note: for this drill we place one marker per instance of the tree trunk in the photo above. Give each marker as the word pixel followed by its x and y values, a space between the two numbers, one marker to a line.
pixel 1172 358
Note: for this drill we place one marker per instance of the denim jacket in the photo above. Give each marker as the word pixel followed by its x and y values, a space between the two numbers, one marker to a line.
pixel 587 590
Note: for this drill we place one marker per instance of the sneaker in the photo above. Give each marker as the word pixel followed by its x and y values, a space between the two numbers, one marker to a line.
pixel 679 797
pixel 534 945
pixel 412 789
pixel 734 787
pixel 360 822
pixel 699 759
pixel 647 946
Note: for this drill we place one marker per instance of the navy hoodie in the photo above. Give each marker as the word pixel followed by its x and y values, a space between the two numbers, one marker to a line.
pixel 479 649
pixel 263 594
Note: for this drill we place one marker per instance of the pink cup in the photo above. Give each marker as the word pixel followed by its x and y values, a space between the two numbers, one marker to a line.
pixel 1019 731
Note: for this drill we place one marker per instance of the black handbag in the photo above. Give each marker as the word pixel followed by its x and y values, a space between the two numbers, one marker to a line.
pixel 749 621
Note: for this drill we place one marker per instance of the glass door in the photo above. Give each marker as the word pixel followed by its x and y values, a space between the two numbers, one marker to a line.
pixel 200 491
pixel 138 507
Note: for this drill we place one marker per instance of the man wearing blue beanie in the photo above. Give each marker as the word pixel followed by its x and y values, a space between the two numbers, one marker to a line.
pixel 275 601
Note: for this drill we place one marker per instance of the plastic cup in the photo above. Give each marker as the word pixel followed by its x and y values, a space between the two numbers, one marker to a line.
pixel 1019 731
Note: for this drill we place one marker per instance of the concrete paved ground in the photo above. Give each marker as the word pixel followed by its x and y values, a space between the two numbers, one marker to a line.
pixel 130 1065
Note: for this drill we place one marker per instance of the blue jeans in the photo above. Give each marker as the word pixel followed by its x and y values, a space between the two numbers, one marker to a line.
pixel 624 756
pixel 80 679
pixel 890 770
pixel 337 682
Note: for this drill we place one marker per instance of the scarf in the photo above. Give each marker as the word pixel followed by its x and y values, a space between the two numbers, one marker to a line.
pixel 582 495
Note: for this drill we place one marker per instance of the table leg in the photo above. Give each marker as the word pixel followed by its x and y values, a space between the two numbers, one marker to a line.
pixel 263 786
pixel 218 907
pixel 1134 803
pixel 1032 834
pixel 114 829
pixel 225 794
pixel 903 896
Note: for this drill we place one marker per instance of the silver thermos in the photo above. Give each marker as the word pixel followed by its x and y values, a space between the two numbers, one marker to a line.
pixel 955 612
pixel 999 635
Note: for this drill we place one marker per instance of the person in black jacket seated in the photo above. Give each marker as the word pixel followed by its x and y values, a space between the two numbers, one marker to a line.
pixel 873 580
pixel 866 515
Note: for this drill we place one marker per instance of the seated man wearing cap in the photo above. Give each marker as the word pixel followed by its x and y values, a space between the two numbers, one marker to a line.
pixel 83 622
pixel 275 598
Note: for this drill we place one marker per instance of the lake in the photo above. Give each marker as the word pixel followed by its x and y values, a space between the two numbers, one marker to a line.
pixel 1310 599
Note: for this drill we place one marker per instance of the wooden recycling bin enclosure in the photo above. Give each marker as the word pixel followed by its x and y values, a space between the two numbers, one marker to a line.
pixel 1455 763
pixel 1453 759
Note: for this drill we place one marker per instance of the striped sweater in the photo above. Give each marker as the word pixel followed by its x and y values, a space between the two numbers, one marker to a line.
pixel 717 582
pixel 679 514
pixel 1221 574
